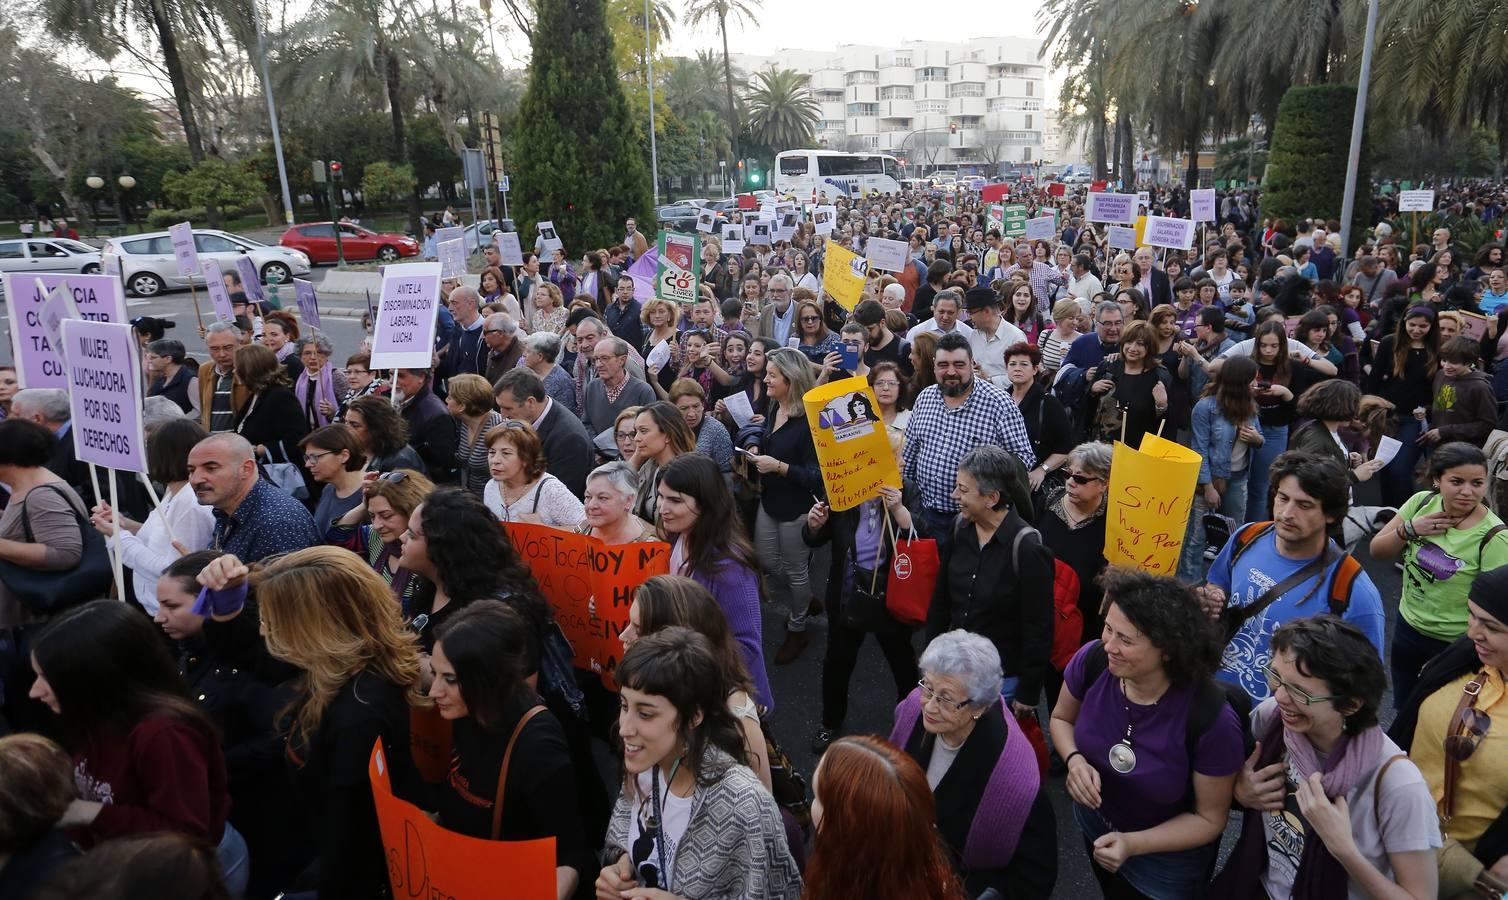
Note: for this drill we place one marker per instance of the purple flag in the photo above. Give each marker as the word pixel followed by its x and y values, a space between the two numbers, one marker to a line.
pixel 643 273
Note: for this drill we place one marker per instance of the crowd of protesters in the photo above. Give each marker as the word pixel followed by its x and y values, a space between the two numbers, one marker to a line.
pixel 321 564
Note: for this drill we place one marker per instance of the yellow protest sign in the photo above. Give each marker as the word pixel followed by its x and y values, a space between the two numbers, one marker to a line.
pixel 843 275
pixel 852 446
pixel 1151 492
pixel 1141 232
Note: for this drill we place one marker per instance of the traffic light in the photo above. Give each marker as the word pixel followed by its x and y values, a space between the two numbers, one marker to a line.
pixel 755 176
pixel 952 128
pixel 337 172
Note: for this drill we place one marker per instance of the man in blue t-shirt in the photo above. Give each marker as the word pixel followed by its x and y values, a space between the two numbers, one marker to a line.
pixel 1309 496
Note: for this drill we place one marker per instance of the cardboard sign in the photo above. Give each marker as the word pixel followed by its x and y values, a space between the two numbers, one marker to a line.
pixel 1144 198
pixel 1015 220
pixel 1473 325
pixel 509 252
pixel 1121 237
pixel 407 314
pixel 785 225
pixel 251 281
pixel 1151 492
pixel 1057 189
pixel 680 256
pixel 452 259
pixel 308 301
pixel 425 860
pixel 704 221
pixel 761 232
pixel 1202 205
pixel 887 255
pixel 182 238
pixel 1161 231
pixel 1416 201
pixel 853 447
pixel 590 585
pixel 219 294
pixel 1117 209
pixel 823 217
pixel 843 275
pixel 733 239
pixel 549 239
pixel 449 233
pixel 748 201
pixel 993 192
pixel 95 298
pixel 995 217
pixel 1042 228
pixel 104 394
pixel 1096 187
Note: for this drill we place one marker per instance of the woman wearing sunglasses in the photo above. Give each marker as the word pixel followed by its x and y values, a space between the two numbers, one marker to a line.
pixel 1458 739
pixel 1333 807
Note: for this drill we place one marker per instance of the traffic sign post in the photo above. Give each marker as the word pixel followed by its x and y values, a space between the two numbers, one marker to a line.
pixel 337 174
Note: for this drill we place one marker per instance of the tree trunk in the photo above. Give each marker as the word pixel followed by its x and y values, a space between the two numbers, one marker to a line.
pixel 1116 156
pixel 400 142
pixel 722 25
pixel 76 207
pixel 1128 150
pixel 181 96
pixel 1098 147
pixel 1191 174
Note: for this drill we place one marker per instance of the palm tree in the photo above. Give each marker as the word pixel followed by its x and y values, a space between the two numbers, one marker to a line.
pixel 631 14
pixel 782 111
pixel 744 11
pixel 115 26
pixel 361 40
pixel 1445 64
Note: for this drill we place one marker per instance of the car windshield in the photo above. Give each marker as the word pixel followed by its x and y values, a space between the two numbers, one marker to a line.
pixel 73 246
pixel 245 240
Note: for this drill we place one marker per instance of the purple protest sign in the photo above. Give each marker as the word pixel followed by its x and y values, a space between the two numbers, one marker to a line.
pixel 308 302
pixel 1117 208
pixel 96 298
pixel 508 249
pixel 182 238
pixel 404 333
pixel 219 295
pixel 104 394
pixel 1202 205
pixel 251 282
pixel 1163 231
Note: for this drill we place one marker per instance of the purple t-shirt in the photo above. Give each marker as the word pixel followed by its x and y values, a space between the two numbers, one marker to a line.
pixel 1156 790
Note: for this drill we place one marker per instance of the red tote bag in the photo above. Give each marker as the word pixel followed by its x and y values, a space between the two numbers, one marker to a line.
pixel 912 578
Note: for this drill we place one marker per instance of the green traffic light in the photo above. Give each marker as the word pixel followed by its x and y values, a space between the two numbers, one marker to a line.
pixel 753 177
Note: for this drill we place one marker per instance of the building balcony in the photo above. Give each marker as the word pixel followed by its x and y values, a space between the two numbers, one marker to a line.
pixel 862 93
pixel 966 106
pixel 897 75
pixel 897 109
pixel 967 71
pixel 827 80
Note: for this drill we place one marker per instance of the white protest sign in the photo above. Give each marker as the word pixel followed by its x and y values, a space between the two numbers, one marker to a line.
pixel 182 238
pixel 733 239
pixel 1387 448
pixel 1119 209
pixel 1162 231
pixel 251 281
pixel 112 264
pixel 509 253
pixel 104 394
pixel 214 281
pixel 761 231
pixel 1202 205
pixel 785 229
pixel 658 356
pixel 705 220
pixel 823 217
pixel 1121 237
pixel 888 255
pixel 1041 228
pixel 450 233
pixel 97 298
pixel 549 239
pixel 407 313
pixel 308 301
pixel 738 406
pixel 1416 201
pixel 452 258
pixel 1144 198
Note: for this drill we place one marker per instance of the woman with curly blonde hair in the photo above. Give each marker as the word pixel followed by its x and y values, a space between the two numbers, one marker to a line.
pixel 327 613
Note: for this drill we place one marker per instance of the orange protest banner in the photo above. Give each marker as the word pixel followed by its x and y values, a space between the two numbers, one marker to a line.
pixel 425 860
pixel 590 586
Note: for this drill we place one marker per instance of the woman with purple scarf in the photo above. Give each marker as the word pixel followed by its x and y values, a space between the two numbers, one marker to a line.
pixel 320 385
pixel 1333 807
pixel 992 815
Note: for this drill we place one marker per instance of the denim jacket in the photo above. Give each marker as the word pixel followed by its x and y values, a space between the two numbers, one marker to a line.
pixel 1214 437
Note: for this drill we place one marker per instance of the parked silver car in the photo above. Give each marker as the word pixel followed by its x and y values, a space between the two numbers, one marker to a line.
pixel 23 255
pixel 148 266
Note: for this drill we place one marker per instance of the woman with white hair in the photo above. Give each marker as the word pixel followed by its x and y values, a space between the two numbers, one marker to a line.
pixel 994 818
pixel 541 355
pixel 611 490
pixel 320 386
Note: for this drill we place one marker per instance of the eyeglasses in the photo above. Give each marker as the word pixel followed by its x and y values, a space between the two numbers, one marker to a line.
pixel 1474 724
pixel 1083 479
pixel 811 318
pixel 493 331
pixel 1298 694
pixel 886 384
pixel 312 458
pixel 943 701
pixel 624 435
pixel 393 477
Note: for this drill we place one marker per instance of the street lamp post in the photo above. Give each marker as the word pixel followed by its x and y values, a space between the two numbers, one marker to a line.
pixel 649 66
pixel 126 183
pixel 1358 118
pixel 272 113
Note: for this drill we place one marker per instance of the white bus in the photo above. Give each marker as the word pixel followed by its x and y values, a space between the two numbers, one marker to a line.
pixel 800 172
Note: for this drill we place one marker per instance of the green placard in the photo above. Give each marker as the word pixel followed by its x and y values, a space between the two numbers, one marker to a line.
pixel 1220 184
pixel 1015 220
pixel 1387 188
pixel 1407 186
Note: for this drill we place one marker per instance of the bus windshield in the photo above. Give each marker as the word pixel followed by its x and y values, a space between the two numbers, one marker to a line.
pixel 848 165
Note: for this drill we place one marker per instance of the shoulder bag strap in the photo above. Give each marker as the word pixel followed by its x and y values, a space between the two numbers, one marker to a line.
pixel 1469 694
pixel 1487 539
pixel 1377 788
pixel 1271 595
pixel 502 775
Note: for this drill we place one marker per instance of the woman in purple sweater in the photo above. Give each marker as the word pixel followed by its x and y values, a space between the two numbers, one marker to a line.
pixel 708 545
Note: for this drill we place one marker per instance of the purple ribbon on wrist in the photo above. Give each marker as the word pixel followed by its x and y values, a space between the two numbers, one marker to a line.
pixel 220 603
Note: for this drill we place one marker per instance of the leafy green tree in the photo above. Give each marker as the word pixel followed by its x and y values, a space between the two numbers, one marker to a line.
pixel 383 180
pixel 782 111
pixel 213 181
pixel 432 158
pixel 739 11
pixel 576 150
pixel 1307 173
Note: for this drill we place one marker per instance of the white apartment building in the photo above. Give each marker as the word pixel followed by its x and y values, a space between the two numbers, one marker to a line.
pixel 972 106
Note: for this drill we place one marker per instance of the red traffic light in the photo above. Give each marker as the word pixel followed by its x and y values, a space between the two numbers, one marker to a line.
pixel 335 169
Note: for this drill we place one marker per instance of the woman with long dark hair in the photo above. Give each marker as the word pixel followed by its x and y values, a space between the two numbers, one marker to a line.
pixel 1226 434
pixel 690 821
pixel 1280 380
pixel 272 419
pixel 860 783
pixel 124 712
pixel 1403 373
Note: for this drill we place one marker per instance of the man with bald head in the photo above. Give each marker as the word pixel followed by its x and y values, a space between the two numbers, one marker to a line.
pixel 465 353
pixel 253 518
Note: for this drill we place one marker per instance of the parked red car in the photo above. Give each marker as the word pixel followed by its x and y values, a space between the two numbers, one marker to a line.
pixel 317 241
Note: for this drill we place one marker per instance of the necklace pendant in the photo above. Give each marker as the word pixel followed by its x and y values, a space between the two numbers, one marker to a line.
pixel 1122 758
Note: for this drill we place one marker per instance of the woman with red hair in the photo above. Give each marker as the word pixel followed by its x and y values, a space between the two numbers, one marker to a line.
pixel 863 782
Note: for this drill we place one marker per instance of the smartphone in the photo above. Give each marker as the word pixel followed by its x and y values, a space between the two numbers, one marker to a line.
pixel 850 355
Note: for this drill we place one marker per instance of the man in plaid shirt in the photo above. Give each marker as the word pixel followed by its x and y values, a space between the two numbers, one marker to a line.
pixel 1043 276
pixel 949 419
